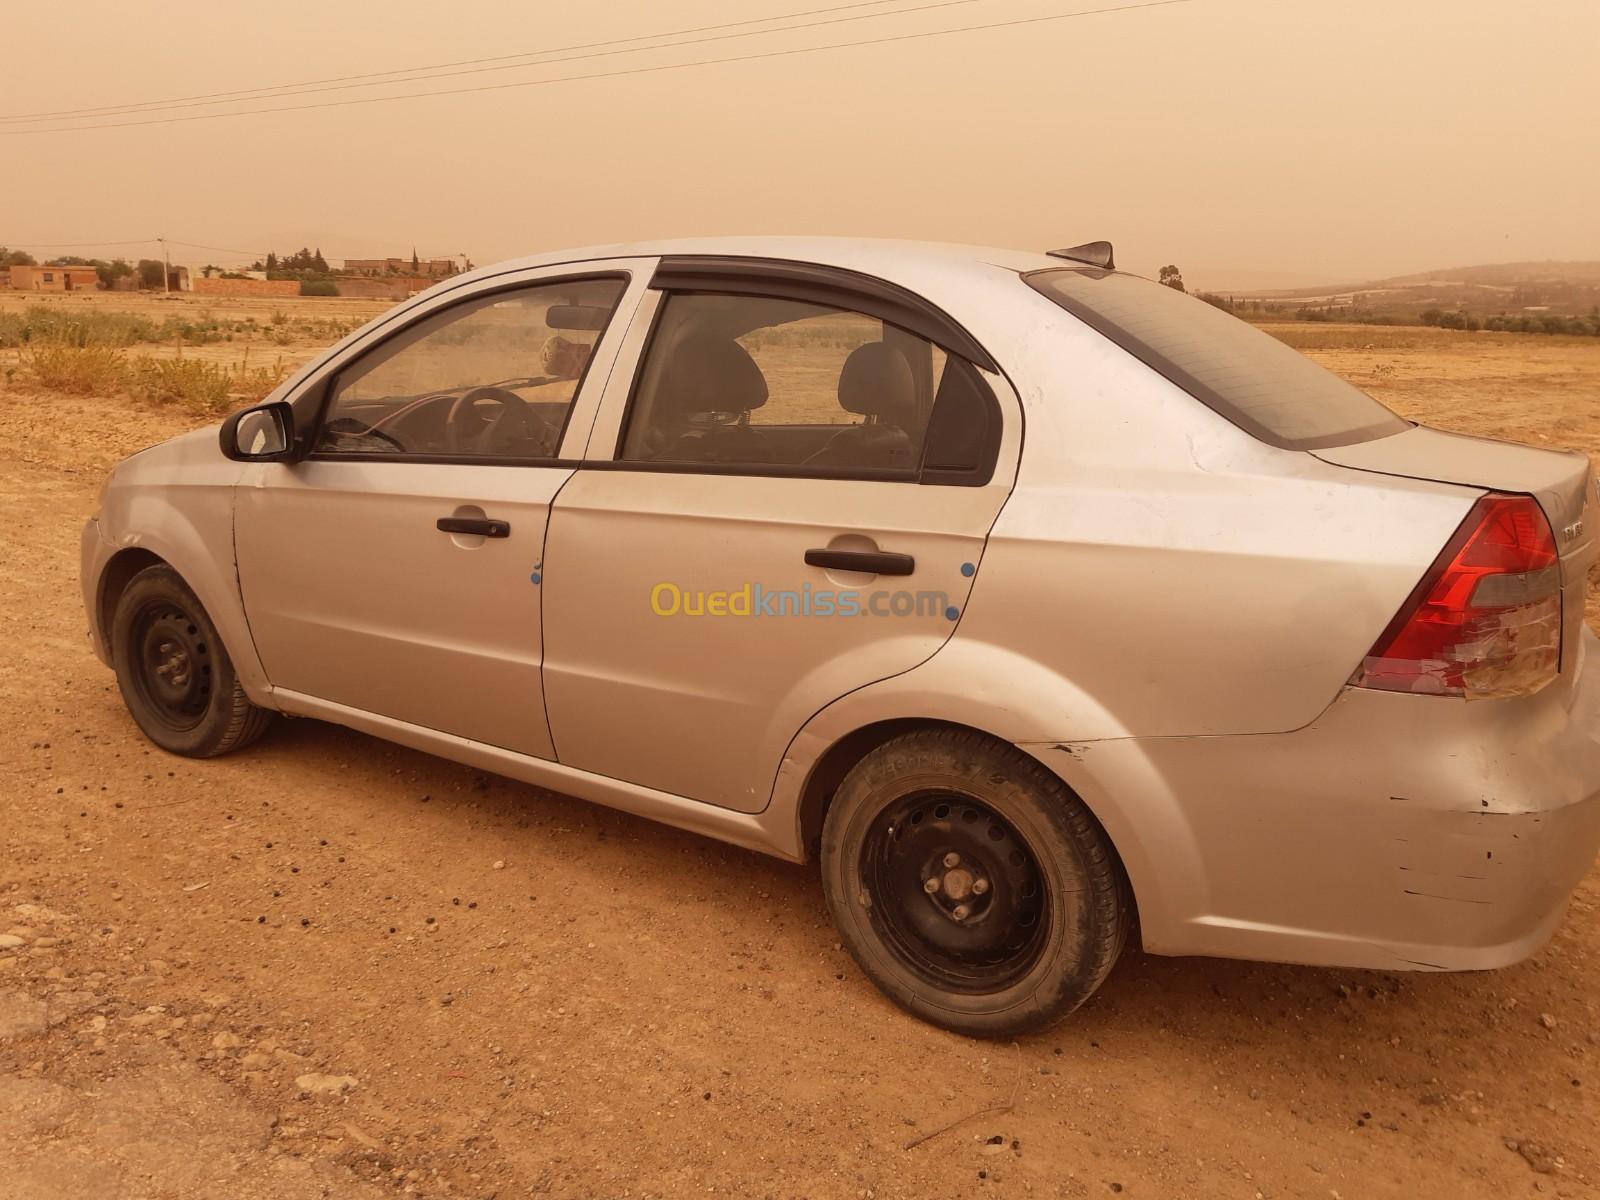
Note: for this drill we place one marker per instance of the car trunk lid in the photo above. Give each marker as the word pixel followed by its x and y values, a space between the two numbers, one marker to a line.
pixel 1561 480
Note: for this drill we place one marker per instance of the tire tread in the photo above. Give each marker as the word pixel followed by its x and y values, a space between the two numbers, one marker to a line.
pixel 1108 893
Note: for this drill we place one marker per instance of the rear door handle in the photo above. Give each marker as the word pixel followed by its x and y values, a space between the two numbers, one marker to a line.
pixel 479 525
pixel 872 562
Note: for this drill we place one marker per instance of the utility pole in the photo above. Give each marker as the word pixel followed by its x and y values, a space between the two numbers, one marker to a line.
pixel 166 269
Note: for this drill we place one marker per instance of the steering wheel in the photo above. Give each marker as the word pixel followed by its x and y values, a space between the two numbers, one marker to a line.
pixel 463 410
pixel 349 427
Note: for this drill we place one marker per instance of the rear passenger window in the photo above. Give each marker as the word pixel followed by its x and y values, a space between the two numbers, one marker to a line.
pixel 757 382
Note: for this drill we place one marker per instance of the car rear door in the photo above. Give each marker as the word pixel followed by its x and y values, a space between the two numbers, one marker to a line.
pixel 785 500
pixel 395 569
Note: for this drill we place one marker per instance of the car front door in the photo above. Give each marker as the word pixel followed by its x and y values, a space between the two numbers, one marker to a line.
pixel 786 501
pixel 394 570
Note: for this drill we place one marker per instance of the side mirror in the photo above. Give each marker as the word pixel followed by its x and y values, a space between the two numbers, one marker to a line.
pixel 264 433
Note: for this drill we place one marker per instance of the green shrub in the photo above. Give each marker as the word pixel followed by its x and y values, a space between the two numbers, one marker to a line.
pixel 203 386
pixel 92 370
pixel 41 323
pixel 318 287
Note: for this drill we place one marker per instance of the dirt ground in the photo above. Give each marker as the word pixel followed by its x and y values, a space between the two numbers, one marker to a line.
pixel 329 966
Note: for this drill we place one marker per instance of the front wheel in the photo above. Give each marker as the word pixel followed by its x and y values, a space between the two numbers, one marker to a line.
pixel 175 676
pixel 971 885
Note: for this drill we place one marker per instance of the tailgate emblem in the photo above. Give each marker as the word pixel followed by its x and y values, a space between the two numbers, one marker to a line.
pixel 1574 531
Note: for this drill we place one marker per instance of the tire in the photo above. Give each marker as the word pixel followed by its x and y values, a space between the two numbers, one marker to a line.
pixel 938 848
pixel 174 673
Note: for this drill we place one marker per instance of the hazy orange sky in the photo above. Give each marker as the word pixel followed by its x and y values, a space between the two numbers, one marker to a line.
pixel 1252 142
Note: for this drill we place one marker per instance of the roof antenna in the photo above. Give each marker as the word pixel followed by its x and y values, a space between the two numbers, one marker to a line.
pixel 1095 254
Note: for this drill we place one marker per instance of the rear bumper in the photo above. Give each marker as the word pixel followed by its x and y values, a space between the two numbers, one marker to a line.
pixel 1393 832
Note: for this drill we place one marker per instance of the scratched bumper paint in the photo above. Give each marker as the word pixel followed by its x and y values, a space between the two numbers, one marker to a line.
pixel 1392 832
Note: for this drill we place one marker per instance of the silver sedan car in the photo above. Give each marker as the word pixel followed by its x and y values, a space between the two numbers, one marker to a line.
pixel 1044 605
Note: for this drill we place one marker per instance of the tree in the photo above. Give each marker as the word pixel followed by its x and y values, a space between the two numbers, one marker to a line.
pixel 1431 316
pixel 416 263
pixel 16 258
pixel 117 268
pixel 1171 277
pixel 272 262
pixel 318 263
pixel 151 272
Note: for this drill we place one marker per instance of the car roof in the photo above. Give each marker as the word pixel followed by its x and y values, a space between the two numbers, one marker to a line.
pixel 906 262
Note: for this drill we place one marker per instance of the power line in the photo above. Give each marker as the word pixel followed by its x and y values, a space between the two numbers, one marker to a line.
pixel 150 241
pixel 521 66
pixel 84 245
pixel 704 62
pixel 415 74
pixel 217 249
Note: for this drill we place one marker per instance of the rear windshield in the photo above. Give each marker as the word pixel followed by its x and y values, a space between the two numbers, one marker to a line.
pixel 1270 391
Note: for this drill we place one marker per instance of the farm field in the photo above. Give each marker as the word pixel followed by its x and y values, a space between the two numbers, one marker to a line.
pixel 330 966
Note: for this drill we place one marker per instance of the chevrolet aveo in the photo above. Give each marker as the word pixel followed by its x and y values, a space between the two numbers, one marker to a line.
pixel 1045 605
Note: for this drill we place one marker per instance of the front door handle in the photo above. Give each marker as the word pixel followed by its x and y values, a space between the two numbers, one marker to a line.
pixel 871 562
pixel 479 525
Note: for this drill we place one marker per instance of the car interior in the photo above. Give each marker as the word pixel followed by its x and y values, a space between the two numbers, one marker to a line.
pixel 761 381
pixel 492 378
pixel 727 380
pixel 504 419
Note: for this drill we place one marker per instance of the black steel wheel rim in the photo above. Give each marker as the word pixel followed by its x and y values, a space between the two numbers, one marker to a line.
pixel 955 891
pixel 170 660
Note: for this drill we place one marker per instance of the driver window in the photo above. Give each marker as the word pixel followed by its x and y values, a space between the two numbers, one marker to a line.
pixel 492 378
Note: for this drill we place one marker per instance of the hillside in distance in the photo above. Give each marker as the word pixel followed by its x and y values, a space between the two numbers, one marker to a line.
pixel 1555 287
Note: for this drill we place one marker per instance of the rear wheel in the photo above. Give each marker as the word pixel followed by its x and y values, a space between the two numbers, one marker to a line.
pixel 175 676
pixel 971 885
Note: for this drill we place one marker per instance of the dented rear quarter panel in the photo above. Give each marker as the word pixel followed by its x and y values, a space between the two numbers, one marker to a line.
pixel 1395 831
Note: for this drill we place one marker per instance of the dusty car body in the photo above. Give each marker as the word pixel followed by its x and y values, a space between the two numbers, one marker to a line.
pixel 1161 578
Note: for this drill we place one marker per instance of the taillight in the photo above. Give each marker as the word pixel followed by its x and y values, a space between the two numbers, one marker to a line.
pixel 1486 618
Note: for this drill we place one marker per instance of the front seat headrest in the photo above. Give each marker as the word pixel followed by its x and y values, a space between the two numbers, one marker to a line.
pixel 708 373
pixel 876 382
pixel 562 358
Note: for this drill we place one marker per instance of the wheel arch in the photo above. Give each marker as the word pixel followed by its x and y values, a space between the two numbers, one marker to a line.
pixel 1015 700
pixel 115 576
pixel 211 579
pixel 834 763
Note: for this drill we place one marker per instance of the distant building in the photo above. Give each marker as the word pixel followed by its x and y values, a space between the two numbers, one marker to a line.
pixel 218 286
pixel 388 287
pixel 432 268
pixel 54 279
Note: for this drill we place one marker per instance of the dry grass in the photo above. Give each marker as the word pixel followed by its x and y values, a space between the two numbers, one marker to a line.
pixel 1542 391
pixel 218 329
pixel 204 387
pixel 92 370
pixel 205 355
